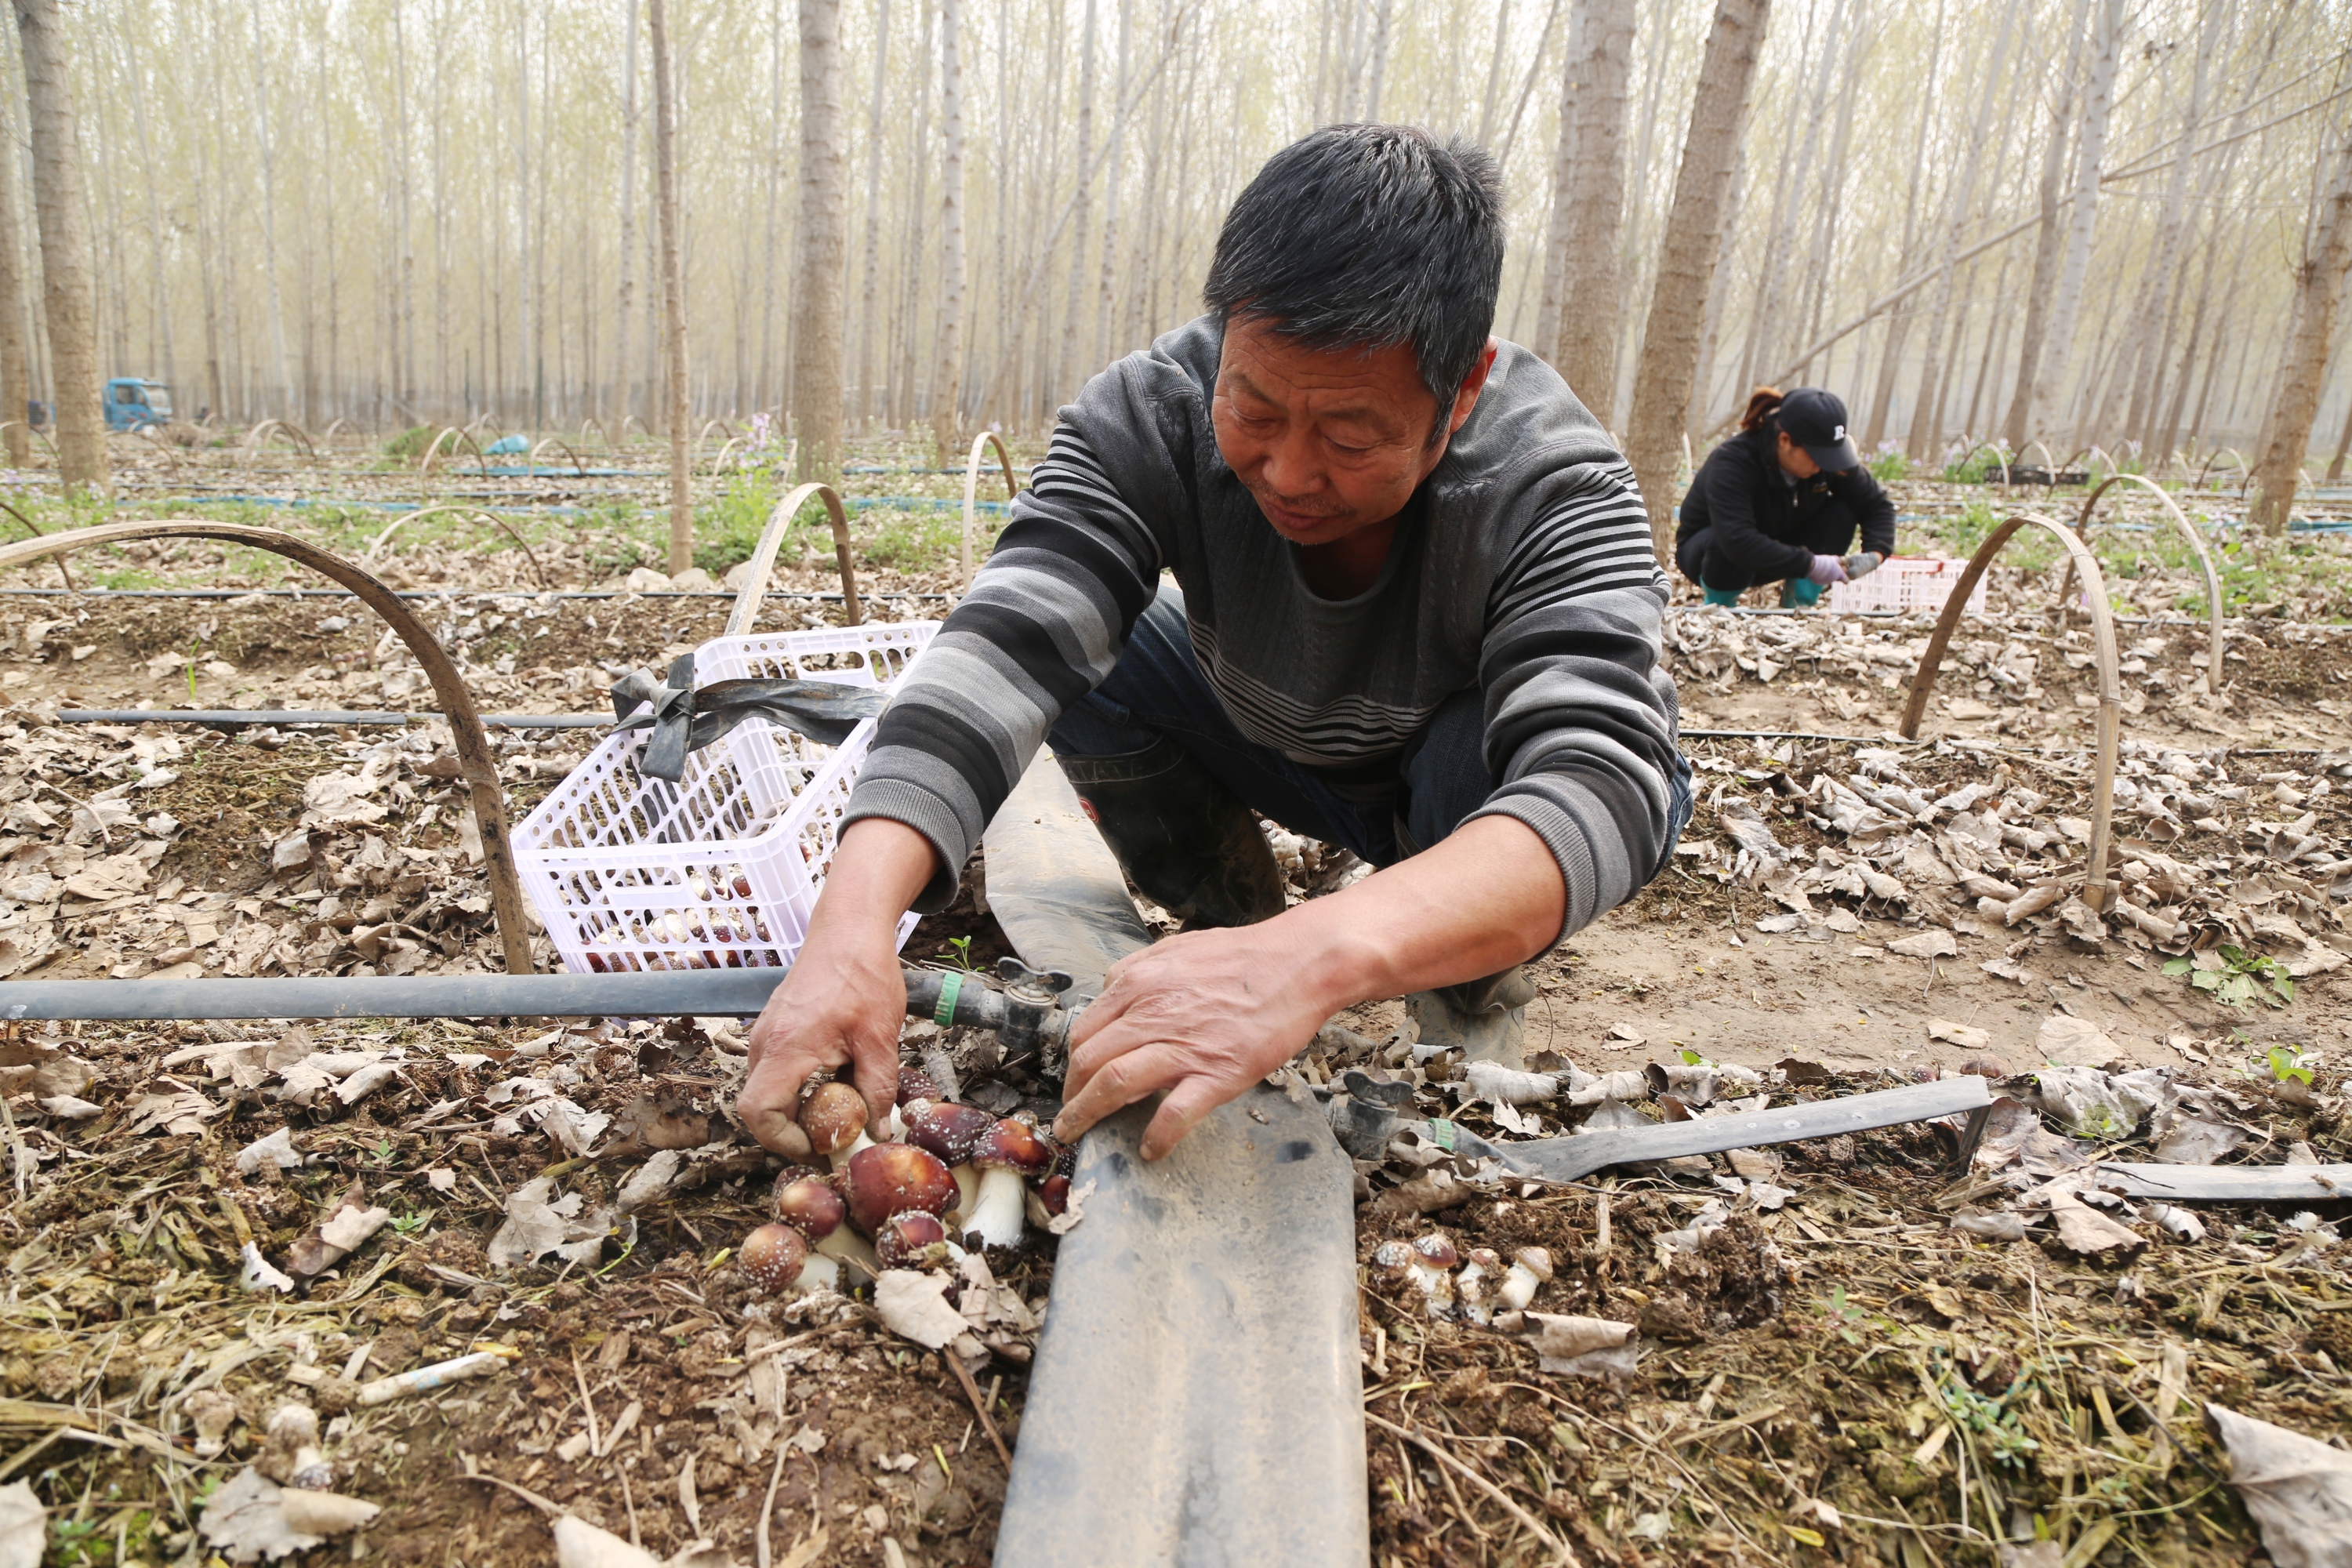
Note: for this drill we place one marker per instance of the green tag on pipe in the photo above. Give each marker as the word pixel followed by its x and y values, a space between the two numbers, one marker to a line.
pixel 951 987
pixel 1441 1133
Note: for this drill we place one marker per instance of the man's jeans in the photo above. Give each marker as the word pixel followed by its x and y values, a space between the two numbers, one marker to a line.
pixel 1158 690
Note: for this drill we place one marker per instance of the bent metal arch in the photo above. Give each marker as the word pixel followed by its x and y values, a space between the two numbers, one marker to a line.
pixel 473 741
pixel 763 557
pixel 2188 531
pixel 2096 892
pixel 979 444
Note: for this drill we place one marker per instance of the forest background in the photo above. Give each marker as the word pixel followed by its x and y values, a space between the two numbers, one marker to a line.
pixel 2077 221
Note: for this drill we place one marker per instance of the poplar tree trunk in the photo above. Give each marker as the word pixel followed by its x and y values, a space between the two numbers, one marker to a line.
pixel 869 304
pixel 2065 309
pixel 15 382
pixel 2303 370
pixel 947 396
pixel 2150 328
pixel 1600 58
pixel 70 291
pixel 1689 252
pixel 617 411
pixel 817 326
pixel 681 474
pixel 1068 372
pixel 1898 325
pixel 1927 412
pixel 2017 429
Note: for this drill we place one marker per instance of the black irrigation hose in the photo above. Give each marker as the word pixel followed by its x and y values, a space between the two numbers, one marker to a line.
pixel 238 717
pixel 714 993
pixel 433 594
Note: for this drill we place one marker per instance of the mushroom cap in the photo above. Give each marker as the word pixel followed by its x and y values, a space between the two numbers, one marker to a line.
pixel 833 1116
pixel 892 1178
pixel 949 1130
pixel 1436 1251
pixel 772 1255
pixel 808 1203
pixel 1016 1146
pixel 1054 1192
pixel 910 1240
pixel 1391 1258
pixel 915 1084
pixel 1535 1260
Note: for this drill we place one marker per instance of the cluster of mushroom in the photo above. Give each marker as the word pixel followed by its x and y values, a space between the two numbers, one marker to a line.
pixel 1483 1291
pixel 945 1175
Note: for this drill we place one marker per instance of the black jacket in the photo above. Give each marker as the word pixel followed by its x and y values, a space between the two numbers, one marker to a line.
pixel 1742 493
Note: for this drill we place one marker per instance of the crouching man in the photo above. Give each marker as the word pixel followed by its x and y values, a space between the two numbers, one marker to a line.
pixel 1414 611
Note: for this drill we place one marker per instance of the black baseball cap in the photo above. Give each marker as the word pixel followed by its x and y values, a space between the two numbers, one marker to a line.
pixel 1815 420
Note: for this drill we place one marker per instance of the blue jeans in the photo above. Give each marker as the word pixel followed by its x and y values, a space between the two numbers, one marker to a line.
pixel 1158 690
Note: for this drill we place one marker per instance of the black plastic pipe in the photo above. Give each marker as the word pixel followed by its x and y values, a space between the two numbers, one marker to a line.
pixel 242 716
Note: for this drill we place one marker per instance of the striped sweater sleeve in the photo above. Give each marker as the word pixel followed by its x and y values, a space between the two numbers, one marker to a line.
pixel 1042 624
pixel 1581 725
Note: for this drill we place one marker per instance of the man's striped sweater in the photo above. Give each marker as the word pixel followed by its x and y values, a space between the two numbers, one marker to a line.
pixel 1524 570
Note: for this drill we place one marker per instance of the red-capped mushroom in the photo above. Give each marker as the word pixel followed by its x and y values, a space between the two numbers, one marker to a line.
pixel 912 1240
pixel 892 1178
pixel 1006 1153
pixel 915 1084
pixel 951 1131
pixel 809 1204
pixel 773 1257
pixel 834 1117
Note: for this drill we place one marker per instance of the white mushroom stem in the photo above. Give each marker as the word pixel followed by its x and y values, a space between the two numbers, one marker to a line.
pixel 818 1274
pixel 850 1248
pixel 995 1216
pixel 1520 1283
pixel 1470 1288
pixel 1435 1283
pixel 967 1179
pixel 860 1141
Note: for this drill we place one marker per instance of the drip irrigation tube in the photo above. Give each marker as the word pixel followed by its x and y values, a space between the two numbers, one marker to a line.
pixel 442 593
pixel 711 992
pixel 243 716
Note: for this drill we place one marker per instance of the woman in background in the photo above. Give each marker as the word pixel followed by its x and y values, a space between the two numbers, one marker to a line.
pixel 1783 503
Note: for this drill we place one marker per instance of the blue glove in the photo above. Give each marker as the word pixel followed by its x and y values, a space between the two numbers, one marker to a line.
pixel 1827 569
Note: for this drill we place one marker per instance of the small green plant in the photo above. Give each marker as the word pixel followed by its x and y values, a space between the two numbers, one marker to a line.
pixel 961 947
pixel 410 1224
pixel 2285 1062
pixel 384 1154
pixel 1890 466
pixel 2239 979
pixel 192 673
pixel 1973 469
pixel 1989 1418
pixel 411 442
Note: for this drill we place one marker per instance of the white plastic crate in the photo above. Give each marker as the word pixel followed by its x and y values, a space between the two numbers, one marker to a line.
pixel 721 870
pixel 1904 584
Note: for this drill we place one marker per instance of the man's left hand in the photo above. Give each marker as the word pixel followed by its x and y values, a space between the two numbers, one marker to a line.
pixel 1201 1016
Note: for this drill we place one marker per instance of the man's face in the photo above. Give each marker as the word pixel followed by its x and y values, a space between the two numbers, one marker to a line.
pixel 1328 441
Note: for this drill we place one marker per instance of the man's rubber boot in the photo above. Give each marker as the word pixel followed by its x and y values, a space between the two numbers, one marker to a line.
pixel 1187 842
pixel 1800 593
pixel 1728 598
pixel 1486 1019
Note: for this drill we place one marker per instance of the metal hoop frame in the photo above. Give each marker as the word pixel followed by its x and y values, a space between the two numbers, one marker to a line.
pixel 474 759
pixel 2096 890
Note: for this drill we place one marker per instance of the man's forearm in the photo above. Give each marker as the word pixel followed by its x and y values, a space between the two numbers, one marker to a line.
pixel 877 869
pixel 1487 896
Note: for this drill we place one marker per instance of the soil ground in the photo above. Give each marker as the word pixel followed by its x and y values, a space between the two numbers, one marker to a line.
pixel 1783 1410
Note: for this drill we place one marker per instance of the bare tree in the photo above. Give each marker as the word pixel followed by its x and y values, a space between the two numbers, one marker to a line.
pixel 15 382
pixel 619 410
pixel 946 396
pixel 70 291
pixel 869 304
pixel 2303 370
pixel 681 471
pixel 2047 246
pixel 1589 213
pixel 2098 102
pixel 1691 247
pixel 817 327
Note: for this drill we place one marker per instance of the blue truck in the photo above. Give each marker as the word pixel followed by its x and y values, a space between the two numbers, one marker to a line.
pixel 134 402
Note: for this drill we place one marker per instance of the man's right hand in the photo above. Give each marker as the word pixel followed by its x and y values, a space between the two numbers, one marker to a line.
pixel 845 997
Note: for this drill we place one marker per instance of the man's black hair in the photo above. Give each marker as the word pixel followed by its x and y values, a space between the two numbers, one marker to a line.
pixel 1371 236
